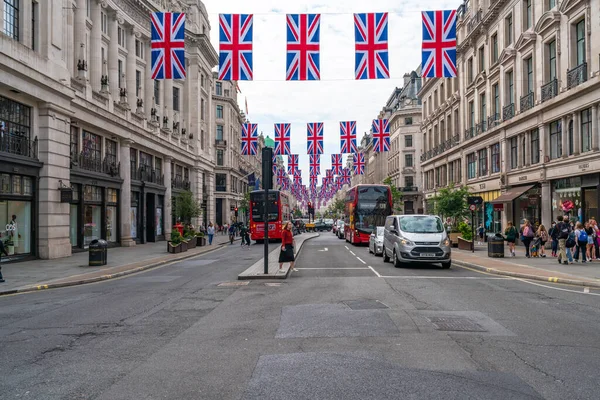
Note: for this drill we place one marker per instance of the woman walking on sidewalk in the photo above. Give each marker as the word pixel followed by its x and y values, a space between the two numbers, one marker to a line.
pixel 581 240
pixel 553 233
pixel 210 232
pixel 511 237
pixel 528 235
pixel 543 235
pixel 287 247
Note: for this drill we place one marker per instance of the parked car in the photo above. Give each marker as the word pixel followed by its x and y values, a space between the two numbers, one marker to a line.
pixel 340 233
pixel 416 238
pixel 376 241
pixel 321 226
pixel 336 226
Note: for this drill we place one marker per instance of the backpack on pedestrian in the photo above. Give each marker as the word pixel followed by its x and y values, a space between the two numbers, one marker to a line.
pixel 563 230
pixel 582 238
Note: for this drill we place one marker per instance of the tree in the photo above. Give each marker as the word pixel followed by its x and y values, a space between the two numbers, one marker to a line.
pixel 245 202
pixel 186 207
pixel 452 202
pixel 297 213
pixel 396 195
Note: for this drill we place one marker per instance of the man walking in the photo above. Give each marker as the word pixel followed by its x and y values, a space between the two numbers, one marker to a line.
pixel 563 234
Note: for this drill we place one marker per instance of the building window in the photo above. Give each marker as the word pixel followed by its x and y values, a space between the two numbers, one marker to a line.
pixel 551 4
pixel 121 37
pixel 34 10
pixel 219 132
pixel 175 99
pixel 510 84
pixel 111 152
pixel 580 45
pixel 133 161
pixel 220 112
pixel 74 143
pixel 409 181
pixel 146 160
pixel 470 69
pixel 408 160
pixel 15 124
pixel 91 146
pixel 139 49
pixel 221 182
pixel 508 32
pixel 220 157
pixel 120 69
pixel 535 146
pixel 471 114
pixel 138 83
pixel 528 14
pixel 226 91
pixel 11 18
pixel 158 166
pixel 219 88
pixel 482 110
pixel 88 8
pixel 570 137
pixel 514 152
pixel 408 121
pixel 494 47
pixel 202 109
pixel 495 158
pixel 481 59
pixel 551 48
pixel 496 92
pixel 408 141
pixel 483 162
pixel 555 140
pixel 202 139
pixel 529 75
pixel 157 92
pixel 104 22
pixel 586 130
pixel 471 166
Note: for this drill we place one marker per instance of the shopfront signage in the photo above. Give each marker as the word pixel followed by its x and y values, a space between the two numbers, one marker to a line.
pixel 498 207
pixel 523 178
pixel 584 166
pixel 66 195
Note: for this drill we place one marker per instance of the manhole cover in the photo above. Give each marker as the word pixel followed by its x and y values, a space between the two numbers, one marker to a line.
pixel 365 304
pixel 455 324
pixel 236 283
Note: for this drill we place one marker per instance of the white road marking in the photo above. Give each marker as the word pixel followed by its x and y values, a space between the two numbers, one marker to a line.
pixel 351 252
pixel 361 260
pixel 376 273
pixel 586 290
pixel 347 248
pixel 336 268
pixel 325 249
pixel 445 277
pixel 556 288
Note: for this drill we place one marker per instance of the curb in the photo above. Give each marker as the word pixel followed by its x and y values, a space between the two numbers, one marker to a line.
pixel 36 288
pixel 551 279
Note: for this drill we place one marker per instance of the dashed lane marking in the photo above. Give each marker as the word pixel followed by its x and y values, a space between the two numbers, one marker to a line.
pixel 359 259
pixel 347 248
pixel 351 252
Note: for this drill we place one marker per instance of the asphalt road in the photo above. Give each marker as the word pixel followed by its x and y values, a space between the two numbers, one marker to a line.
pixel 345 326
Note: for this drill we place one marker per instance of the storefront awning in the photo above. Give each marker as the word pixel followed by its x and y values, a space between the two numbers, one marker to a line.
pixel 511 194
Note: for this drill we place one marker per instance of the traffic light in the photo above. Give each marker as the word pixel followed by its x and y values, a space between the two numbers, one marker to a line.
pixel 236 211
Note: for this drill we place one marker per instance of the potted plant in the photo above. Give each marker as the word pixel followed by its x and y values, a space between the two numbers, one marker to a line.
pixel 465 240
pixel 451 203
pixel 175 244
pixel 200 239
pixel 189 236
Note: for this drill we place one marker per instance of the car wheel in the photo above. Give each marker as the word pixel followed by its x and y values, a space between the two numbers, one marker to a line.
pixel 447 265
pixel 397 262
pixel 386 258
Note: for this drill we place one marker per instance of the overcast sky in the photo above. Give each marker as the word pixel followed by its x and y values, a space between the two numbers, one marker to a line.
pixel 337 96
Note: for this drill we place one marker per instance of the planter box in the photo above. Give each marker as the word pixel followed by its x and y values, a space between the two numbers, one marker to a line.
pixel 191 244
pixel 465 244
pixel 454 238
pixel 200 241
pixel 184 246
pixel 174 249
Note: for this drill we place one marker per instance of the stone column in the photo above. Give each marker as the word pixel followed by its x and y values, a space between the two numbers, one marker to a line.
pixel 130 69
pixel 125 201
pixel 576 134
pixel 520 151
pixel 210 187
pixel 53 151
pixel 80 30
pixel 565 136
pixel 505 165
pixel 543 143
pixel 148 81
pixel 168 205
pixel 527 146
pixel 113 56
pixel 546 203
pixel 595 130
pixel 95 64
pixel 196 187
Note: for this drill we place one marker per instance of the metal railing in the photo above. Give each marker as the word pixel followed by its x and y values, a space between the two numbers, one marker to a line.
pixel 549 90
pixel 91 163
pixel 180 183
pixel 480 128
pixel 147 174
pixel 220 142
pixel 577 75
pixel 508 111
pixel 493 120
pixel 474 21
pixel 20 145
pixel 221 188
pixel 441 148
pixel 469 133
pixel 527 101
pixel 406 189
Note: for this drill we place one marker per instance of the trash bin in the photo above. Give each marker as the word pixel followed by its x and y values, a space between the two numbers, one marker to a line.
pixel 495 246
pixel 98 252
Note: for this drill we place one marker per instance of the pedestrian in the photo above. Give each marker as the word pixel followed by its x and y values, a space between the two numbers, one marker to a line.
pixel 590 253
pixel 210 232
pixel 581 239
pixel 511 237
pixel 480 234
pixel 2 251
pixel 553 233
pixel 287 247
pixel 231 233
pixel 528 235
pixel 542 234
pixel 563 234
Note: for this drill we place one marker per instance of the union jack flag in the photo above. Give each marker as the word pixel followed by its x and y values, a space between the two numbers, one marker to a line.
pixel 292 163
pixel 167 45
pixel 235 47
pixel 329 175
pixel 249 139
pixel 303 47
pixel 315 165
pixel 315 138
pixel 285 185
pixel 274 164
pixel 282 139
pixel 359 164
pixel 345 177
pixel 439 44
pixel 348 137
pixel 371 37
pixel 336 164
pixel 381 135
pixel 280 176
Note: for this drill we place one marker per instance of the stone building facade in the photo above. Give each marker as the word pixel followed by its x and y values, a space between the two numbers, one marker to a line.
pixel 94 147
pixel 519 125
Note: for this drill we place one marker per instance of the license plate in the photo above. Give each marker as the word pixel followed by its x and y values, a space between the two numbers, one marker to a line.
pixel 427 254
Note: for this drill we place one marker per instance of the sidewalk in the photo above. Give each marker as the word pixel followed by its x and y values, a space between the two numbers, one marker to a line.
pixel 543 269
pixel 34 275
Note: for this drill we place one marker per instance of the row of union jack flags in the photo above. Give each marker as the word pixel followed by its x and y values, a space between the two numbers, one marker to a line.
pixel 303 52
pixel 314 137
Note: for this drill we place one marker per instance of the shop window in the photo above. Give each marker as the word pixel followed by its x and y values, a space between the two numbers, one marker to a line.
pixel 514 153
pixel 535 146
pixel 471 166
pixel 16 222
pixel 586 130
pixel 112 203
pixel 566 197
pixel 555 140
pixel 92 193
pixel 483 162
pixel 495 158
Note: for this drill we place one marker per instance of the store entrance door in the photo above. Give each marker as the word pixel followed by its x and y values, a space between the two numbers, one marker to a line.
pixel 590 204
pixel 150 217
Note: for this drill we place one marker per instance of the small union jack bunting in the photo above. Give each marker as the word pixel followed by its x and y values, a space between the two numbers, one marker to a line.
pixel 439 44
pixel 348 137
pixel 282 139
pixel 358 162
pixel 292 163
pixel 249 139
pixel 274 164
pixel 303 47
pixel 345 177
pixel 336 164
pixel 371 36
pixel 167 32
pixel 315 138
pixel 315 164
pixel 235 47
pixel 381 135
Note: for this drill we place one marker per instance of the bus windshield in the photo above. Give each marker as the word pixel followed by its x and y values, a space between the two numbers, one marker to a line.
pixel 372 206
pixel 258 204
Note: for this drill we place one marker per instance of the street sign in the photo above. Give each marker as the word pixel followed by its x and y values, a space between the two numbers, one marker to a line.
pixel 474 200
pixel 472 207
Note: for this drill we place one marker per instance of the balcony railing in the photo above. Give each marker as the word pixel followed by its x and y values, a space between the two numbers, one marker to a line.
pixel 549 90
pixel 493 120
pixel 221 188
pixel 220 142
pixel 441 148
pixel 480 128
pixel 409 189
pixel 469 133
pixel 20 145
pixel 527 101
pixel 508 112
pixel 148 174
pixel 474 21
pixel 180 183
pixel 88 162
pixel 577 75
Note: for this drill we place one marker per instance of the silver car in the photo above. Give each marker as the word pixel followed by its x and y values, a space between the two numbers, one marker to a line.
pixel 416 238
pixel 376 241
pixel 340 233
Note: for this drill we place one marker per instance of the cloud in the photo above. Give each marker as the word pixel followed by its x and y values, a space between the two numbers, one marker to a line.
pixel 337 97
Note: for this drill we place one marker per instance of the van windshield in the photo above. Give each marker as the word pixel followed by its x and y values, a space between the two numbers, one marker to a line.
pixel 421 224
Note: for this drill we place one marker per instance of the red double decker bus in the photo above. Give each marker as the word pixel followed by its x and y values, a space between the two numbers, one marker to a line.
pixel 278 212
pixel 367 206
